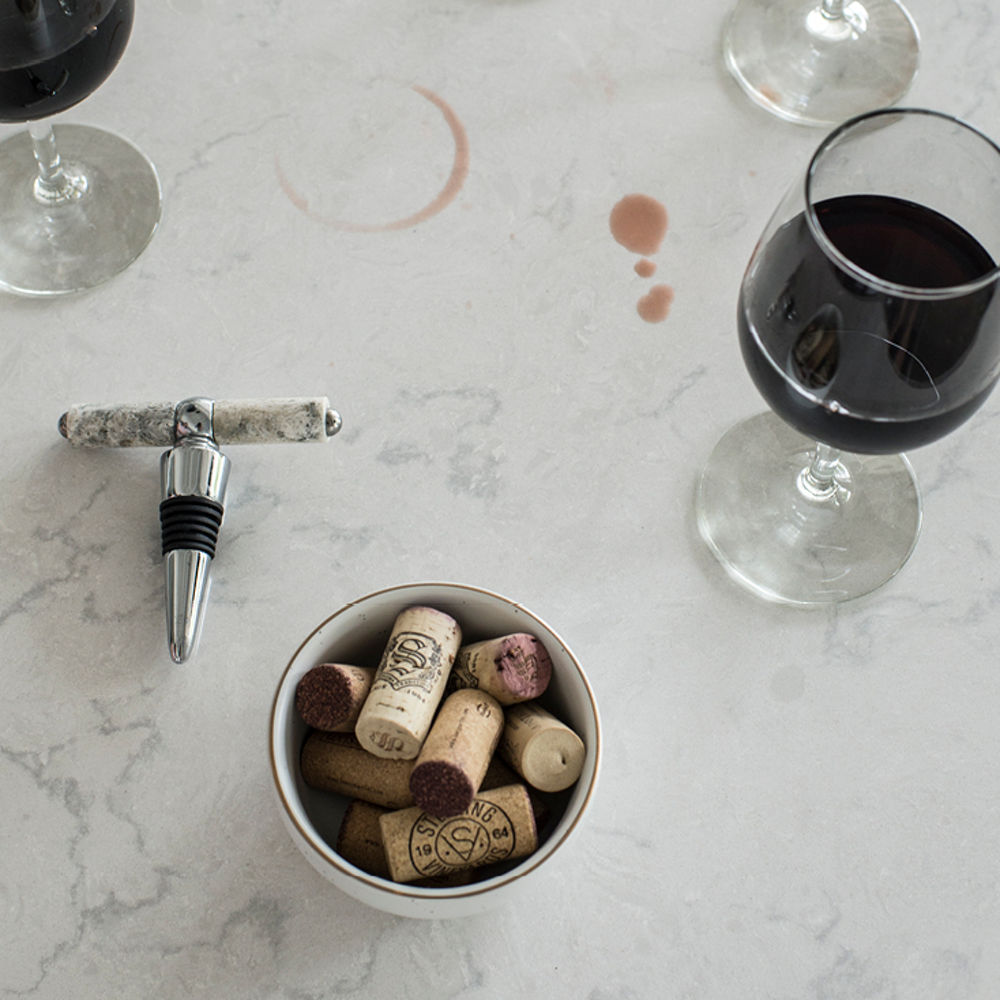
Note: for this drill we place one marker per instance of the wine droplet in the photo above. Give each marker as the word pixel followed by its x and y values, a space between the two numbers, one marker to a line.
pixel 639 223
pixel 654 306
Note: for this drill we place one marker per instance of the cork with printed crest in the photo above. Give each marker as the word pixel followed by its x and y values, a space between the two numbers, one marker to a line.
pixel 409 683
pixel 498 825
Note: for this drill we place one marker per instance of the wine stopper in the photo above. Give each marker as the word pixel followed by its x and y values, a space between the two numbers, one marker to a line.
pixel 194 474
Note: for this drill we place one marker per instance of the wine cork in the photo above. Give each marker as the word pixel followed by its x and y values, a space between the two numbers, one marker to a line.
pixel 336 762
pixel 450 767
pixel 359 839
pixel 409 683
pixel 330 696
pixel 498 825
pixel 513 668
pixel 497 774
pixel 543 750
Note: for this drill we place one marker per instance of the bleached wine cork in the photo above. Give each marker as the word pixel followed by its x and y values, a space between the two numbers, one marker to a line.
pixel 540 748
pixel 359 840
pixel 450 767
pixel 336 762
pixel 498 826
pixel 330 695
pixel 512 668
pixel 409 683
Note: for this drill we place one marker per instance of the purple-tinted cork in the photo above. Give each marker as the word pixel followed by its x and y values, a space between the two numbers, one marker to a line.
pixel 326 697
pixel 524 664
pixel 512 668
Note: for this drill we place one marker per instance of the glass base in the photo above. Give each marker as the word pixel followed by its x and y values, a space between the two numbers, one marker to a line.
pixel 778 537
pixel 71 245
pixel 806 67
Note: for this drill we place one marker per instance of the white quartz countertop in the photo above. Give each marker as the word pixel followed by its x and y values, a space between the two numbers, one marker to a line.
pixel 405 206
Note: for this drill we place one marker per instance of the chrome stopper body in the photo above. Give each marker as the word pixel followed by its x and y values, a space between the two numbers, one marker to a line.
pixel 194 475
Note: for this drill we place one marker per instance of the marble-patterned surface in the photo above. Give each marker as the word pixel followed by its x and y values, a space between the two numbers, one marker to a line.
pixel 405 206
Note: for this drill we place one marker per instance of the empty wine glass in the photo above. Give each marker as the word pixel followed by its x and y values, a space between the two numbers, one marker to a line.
pixel 819 62
pixel 85 205
pixel 869 320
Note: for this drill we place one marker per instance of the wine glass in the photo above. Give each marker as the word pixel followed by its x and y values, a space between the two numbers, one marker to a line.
pixel 819 62
pixel 869 320
pixel 86 204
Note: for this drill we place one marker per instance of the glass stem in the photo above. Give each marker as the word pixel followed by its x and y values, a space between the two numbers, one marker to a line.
pixel 833 9
pixel 818 481
pixel 54 184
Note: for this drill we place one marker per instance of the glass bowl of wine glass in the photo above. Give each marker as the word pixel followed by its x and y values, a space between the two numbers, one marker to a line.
pixel 77 204
pixel 869 320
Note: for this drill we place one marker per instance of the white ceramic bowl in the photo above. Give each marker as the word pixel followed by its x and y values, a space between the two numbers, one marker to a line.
pixel 357 633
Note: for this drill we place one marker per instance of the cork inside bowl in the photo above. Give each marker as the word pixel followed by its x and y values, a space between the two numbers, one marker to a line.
pixel 357 633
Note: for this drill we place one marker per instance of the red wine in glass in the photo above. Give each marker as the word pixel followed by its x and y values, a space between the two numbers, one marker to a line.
pixel 869 320
pixel 34 82
pixel 869 370
pixel 77 204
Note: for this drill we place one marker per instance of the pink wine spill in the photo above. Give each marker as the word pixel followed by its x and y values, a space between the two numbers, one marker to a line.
pixel 639 223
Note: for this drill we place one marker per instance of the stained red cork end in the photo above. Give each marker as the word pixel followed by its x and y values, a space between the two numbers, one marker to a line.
pixel 323 697
pixel 441 789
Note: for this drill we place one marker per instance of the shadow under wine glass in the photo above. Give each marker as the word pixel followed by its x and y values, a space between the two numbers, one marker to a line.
pixel 77 204
pixel 869 320
pixel 820 62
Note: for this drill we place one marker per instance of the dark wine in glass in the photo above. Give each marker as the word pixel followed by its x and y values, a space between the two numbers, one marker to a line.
pixel 869 320
pixel 77 204
pixel 902 371
pixel 35 83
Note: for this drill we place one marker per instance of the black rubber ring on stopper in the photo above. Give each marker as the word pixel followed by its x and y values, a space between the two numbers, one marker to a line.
pixel 188 522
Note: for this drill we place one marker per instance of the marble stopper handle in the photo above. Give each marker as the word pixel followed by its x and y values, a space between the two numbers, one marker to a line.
pixel 236 421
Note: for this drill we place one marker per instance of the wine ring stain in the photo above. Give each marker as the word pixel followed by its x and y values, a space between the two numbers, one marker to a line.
pixel 447 194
